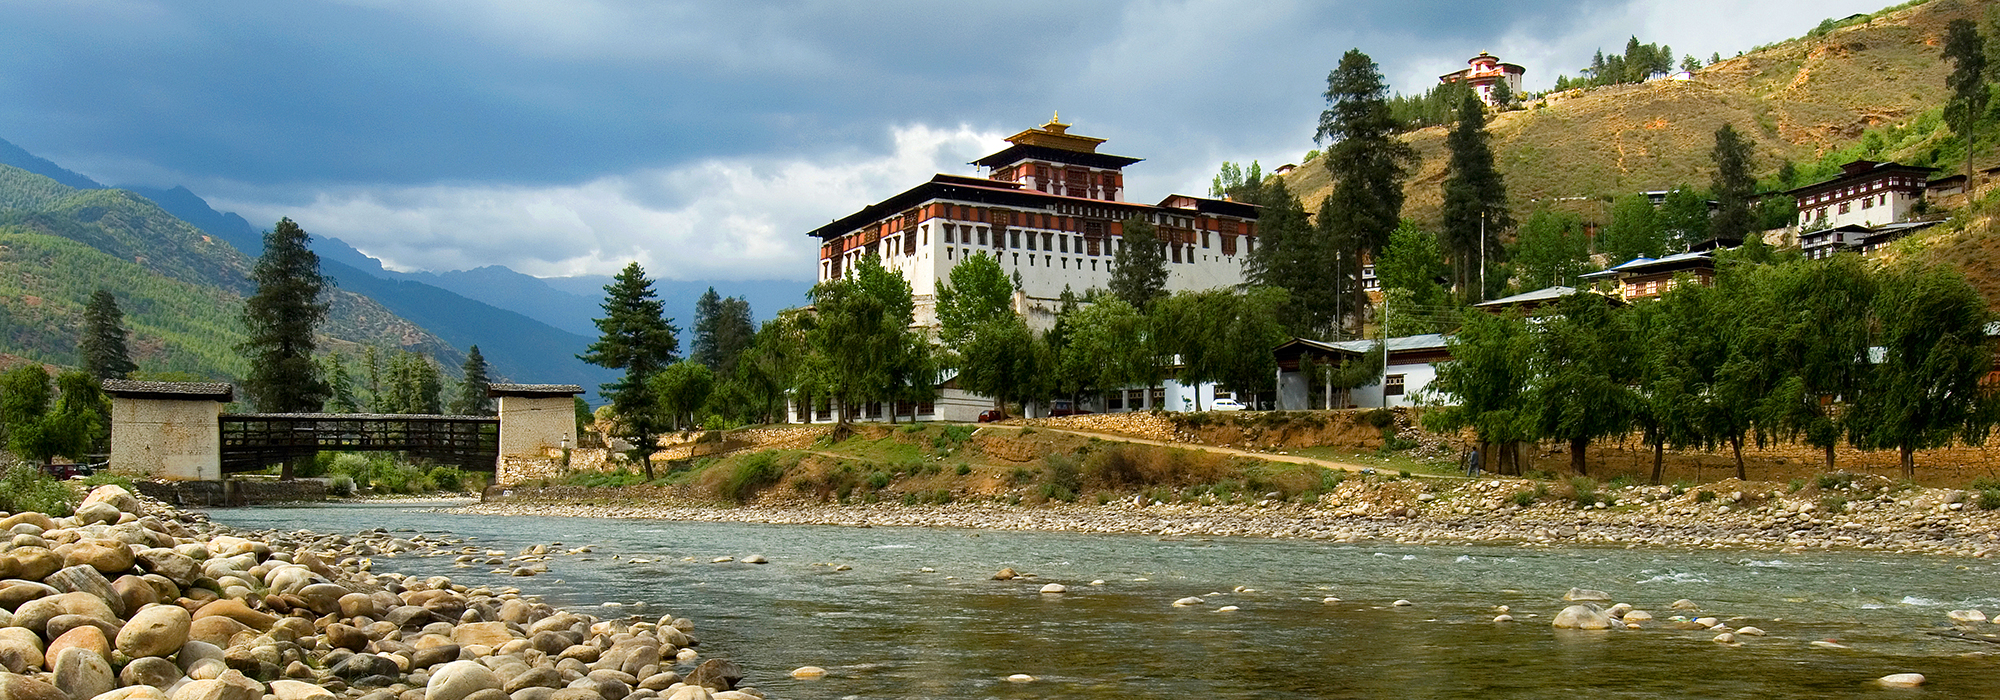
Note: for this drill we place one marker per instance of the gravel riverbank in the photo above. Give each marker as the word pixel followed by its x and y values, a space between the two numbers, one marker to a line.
pixel 130 599
pixel 1857 512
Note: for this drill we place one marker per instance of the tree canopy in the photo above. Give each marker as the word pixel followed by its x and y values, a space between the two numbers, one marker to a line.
pixel 1475 203
pixel 636 336
pixel 102 349
pixel 1139 267
pixel 280 321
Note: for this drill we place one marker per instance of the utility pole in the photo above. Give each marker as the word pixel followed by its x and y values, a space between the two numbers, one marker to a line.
pixel 1385 351
pixel 1482 254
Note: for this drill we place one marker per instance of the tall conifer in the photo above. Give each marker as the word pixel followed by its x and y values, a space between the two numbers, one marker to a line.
pixel 1966 50
pixel 1367 161
pixel 280 320
pixel 474 381
pixel 1733 186
pixel 636 337
pixel 102 351
pixel 1475 202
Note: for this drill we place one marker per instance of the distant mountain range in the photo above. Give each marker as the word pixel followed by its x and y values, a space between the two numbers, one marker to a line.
pixel 530 329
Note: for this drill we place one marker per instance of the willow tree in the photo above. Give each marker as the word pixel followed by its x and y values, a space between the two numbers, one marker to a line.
pixel 1931 328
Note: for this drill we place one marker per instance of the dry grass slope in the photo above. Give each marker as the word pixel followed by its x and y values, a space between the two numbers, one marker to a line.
pixel 1795 100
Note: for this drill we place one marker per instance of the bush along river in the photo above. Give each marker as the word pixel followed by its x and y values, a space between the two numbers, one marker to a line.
pixel 914 612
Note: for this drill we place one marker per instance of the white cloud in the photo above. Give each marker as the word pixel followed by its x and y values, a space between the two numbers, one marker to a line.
pixel 739 219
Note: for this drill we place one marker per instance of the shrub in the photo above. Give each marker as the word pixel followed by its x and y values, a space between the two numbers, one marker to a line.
pixel 1585 491
pixel 1837 480
pixel 1704 496
pixel 1984 483
pixel 341 485
pixel 1127 466
pixel 910 499
pixel 102 478
pixel 1989 499
pixel 1796 485
pixel 1064 473
pixel 878 480
pixel 750 475
pixel 447 478
pixel 24 488
pixel 1379 418
pixel 964 469
pixel 1020 475
pixel 1525 498
pixel 1833 504
pixel 952 436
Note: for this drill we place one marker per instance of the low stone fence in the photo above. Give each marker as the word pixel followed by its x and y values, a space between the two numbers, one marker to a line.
pixel 234 492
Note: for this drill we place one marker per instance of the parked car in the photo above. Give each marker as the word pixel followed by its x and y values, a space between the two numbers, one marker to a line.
pixel 1225 405
pixel 991 415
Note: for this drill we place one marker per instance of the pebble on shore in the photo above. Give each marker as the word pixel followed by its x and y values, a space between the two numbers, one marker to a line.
pixel 133 600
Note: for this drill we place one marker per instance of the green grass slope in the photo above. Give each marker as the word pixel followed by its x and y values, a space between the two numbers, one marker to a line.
pixel 185 286
pixel 176 326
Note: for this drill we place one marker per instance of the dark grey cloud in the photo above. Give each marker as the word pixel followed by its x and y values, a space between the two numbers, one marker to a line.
pixel 416 130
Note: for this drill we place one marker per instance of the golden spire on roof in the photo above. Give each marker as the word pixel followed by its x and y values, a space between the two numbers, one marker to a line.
pixel 1055 134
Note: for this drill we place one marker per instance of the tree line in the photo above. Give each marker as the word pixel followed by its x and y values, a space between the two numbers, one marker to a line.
pixel 1825 352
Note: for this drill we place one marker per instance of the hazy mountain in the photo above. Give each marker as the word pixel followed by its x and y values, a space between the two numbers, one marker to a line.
pixel 180 287
pixel 519 348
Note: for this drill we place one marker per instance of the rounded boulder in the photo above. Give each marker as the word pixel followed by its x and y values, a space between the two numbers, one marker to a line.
pixel 459 679
pixel 159 630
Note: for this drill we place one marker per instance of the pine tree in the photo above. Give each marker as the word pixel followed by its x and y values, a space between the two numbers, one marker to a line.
pixel 280 320
pixel 1295 255
pixel 1734 186
pixel 1967 81
pixel 1475 203
pixel 1366 159
pixel 102 351
pixel 1139 267
pixel 339 384
pixel 638 338
pixel 473 384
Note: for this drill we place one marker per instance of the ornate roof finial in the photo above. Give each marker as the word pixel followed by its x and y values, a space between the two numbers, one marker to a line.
pixel 1056 118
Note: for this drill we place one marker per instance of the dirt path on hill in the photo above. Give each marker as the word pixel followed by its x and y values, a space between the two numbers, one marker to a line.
pixel 1267 456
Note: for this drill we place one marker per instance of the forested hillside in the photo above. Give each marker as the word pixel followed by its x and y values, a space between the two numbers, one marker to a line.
pixel 180 287
pixel 1797 101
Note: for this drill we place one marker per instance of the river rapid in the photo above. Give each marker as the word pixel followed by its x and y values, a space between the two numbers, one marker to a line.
pixel 913 612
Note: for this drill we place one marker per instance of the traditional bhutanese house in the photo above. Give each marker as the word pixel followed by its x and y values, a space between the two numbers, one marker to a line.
pixel 1412 365
pixel 1865 192
pixel 1644 278
pixel 1051 210
pixel 1948 186
pixel 1483 72
pixel 1823 243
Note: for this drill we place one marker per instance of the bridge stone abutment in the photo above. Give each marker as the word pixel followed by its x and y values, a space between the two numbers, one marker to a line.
pixel 535 419
pixel 167 430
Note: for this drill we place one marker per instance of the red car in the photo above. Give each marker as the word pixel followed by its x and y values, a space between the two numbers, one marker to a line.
pixel 991 415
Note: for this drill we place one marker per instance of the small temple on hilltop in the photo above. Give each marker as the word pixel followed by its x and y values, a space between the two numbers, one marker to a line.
pixel 1483 72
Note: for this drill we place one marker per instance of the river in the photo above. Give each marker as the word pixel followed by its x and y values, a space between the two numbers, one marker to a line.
pixel 886 628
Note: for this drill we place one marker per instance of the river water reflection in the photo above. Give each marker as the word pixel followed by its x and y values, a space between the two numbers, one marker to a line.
pixel 887 629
